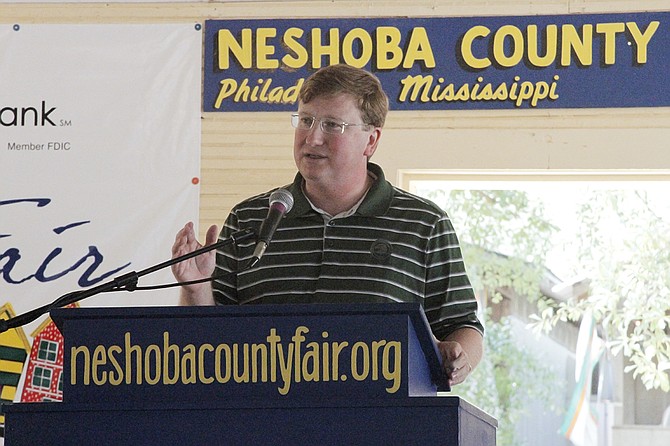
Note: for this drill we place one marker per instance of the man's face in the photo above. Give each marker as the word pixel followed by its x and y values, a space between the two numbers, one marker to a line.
pixel 334 160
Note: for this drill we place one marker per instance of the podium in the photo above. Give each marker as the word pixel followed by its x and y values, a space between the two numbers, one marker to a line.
pixel 325 374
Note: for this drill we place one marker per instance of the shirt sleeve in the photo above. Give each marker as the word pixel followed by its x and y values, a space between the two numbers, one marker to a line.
pixel 450 302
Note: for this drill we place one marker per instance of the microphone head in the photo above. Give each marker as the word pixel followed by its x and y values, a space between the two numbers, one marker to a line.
pixel 282 197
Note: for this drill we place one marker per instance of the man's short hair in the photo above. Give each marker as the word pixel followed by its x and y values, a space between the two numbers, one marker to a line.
pixel 361 84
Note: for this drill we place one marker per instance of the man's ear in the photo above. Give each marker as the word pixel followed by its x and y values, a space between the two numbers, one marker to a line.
pixel 373 140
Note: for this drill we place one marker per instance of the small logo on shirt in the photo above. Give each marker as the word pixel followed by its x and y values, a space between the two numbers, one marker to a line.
pixel 381 249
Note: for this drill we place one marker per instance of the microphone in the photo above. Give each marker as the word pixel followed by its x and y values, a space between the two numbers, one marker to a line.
pixel 281 201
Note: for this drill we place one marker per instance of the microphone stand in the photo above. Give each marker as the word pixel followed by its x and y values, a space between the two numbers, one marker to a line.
pixel 126 282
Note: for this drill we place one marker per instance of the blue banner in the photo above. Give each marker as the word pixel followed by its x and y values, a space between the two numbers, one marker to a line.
pixel 263 352
pixel 455 63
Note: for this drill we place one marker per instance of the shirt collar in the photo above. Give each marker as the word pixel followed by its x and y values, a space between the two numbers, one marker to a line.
pixel 376 201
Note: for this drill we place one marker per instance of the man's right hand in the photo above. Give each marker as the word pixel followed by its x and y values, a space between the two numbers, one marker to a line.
pixel 195 268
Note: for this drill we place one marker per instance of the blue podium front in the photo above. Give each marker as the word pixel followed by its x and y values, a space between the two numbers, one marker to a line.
pixel 260 374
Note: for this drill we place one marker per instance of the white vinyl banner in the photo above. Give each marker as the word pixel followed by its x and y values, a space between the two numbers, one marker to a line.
pixel 99 157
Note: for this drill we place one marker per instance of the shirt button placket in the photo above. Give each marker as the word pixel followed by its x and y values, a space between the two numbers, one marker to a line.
pixel 328 243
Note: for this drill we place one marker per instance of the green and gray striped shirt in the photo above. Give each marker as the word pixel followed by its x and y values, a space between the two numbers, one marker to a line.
pixel 396 247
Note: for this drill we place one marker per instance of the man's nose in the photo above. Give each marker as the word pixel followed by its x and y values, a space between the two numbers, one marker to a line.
pixel 315 135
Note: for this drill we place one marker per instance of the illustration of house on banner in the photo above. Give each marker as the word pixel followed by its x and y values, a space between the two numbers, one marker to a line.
pixel 14 349
pixel 44 380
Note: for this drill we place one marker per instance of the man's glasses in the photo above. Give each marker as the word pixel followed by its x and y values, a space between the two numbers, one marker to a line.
pixel 302 121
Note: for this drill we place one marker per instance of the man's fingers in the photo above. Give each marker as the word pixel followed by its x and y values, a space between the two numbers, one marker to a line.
pixel 212 235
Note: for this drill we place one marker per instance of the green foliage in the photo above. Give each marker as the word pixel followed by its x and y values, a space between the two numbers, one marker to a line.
pixel 504 239
pixel 623 248
pixel 506 379
pixel 626 252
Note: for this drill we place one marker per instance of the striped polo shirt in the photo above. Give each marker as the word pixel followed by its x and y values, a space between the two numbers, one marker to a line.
pixel 396 247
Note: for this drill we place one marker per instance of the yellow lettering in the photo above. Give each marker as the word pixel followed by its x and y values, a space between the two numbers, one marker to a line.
pixel 348 45
pixel 297 56
pixel 188 365
pixel 285 367
pixel 259 353
pixel 466 47
pixel 512 89
pixel 300 360
pixel 419 49
pixel 552 90
pixel 581 45
pixel 501 93
pixel 427 89
pixel 463 93
pixel 273 339
pixel 241 375
pixel 375 358
pixel 264 51
pixel 115 379
pixel 227 363
pixel 526 92
pixel 331 49
pixel 86 369
pixel 228 87
pixel 99 359
pixel 499 46
pixel 389 53
pixel 243 92
pixel 449 93
pixel 641 39
pixel 364 362
pixel 551 44
pixel 486 94
pixel 201 363
pixel 609 31
pixel 290 96
pixel 326 358
pixel 298 339
pixel 412 86
pixel 337 349
pixel 392 350
pixel 129 350
pixel 310 362
pixel 228 44
pixel 541 92
pixel 152 380
pixel 170 350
